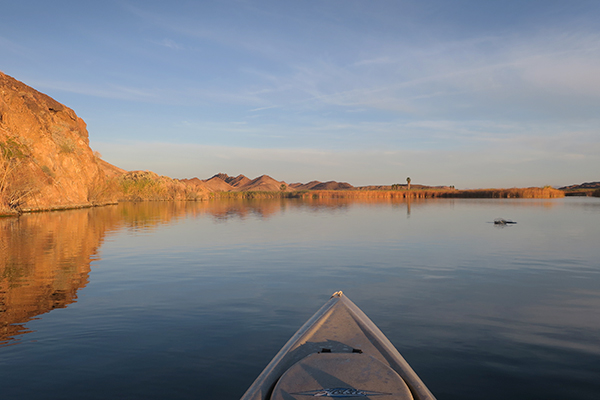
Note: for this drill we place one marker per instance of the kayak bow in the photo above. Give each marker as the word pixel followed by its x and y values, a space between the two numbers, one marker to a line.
pixel 338 353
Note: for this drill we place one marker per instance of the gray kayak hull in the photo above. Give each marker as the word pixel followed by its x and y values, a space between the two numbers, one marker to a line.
pixel 338 352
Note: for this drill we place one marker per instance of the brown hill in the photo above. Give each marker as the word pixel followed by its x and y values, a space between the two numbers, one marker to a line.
pixel 263 183
pixel 193 181
pixel 238 181
pixel 234 181
pixel 224 183
pixel 331 185
pixel 217 184
pixel 196 183
pixel 583 189
pixel 586 185
pixel 220 175
pixel 317 185
pixel 304 186
pixel 45 158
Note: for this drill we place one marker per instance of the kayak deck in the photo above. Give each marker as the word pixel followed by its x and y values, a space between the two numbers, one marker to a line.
pixel 338 352
pixel 340 375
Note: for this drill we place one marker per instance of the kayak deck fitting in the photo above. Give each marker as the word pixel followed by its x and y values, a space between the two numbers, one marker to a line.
pixel 338 353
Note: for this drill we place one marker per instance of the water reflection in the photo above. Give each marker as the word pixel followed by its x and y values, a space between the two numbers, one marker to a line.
pixel 148 214
pixel 188 295
pixel 45 258
pixel 44 261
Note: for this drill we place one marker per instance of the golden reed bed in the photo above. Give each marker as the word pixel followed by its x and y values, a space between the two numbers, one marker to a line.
pixel 517 193
pixel 522 193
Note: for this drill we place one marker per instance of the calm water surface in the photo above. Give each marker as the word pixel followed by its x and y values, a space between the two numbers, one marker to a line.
pixel 192 300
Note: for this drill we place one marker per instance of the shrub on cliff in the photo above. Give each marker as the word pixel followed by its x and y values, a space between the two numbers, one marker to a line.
pixel 17 176
pixel 103 191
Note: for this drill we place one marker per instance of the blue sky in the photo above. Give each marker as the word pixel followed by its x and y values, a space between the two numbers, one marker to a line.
pixel 465 93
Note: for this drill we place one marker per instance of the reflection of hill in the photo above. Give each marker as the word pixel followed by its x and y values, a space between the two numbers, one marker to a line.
pixel 230 209
pixel 44 260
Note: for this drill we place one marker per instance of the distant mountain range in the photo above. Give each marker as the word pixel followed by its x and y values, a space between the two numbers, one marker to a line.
pixel 582 189
pixel 586 185
pixel 224 183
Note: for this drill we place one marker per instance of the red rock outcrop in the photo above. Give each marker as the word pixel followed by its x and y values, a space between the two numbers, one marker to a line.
pixel 45 158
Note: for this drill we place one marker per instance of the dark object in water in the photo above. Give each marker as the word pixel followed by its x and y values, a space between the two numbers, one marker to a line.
pixel 502 221
pixel 338 352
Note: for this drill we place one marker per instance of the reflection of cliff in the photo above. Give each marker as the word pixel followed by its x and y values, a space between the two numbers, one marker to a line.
pixel 146 215
pixel 44 260
pixel 45 257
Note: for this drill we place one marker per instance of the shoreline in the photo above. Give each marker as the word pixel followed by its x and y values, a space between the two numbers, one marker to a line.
pixel 517 193
pixel 514 193
pixel 62 207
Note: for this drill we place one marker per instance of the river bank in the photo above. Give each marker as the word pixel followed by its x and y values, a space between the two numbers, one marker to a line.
pixel 516 193
pixel 161 194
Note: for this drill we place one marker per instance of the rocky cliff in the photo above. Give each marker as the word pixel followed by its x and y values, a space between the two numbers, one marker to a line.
pixel 45 158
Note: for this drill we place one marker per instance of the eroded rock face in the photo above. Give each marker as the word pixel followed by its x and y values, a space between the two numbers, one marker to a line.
pixel 45 156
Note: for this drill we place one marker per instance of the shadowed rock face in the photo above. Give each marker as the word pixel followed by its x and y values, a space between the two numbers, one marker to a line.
pixel 44 146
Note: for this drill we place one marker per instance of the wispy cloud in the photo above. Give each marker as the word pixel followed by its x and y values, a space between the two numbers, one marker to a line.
pixel 383 60
pixel 112 91
pixel 9 46
pixel 263 108
pixel 432 75
pixel 171 44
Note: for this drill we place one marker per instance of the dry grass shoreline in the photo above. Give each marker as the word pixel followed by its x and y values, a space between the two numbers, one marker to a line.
pixel 516 193
pixel 512 193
